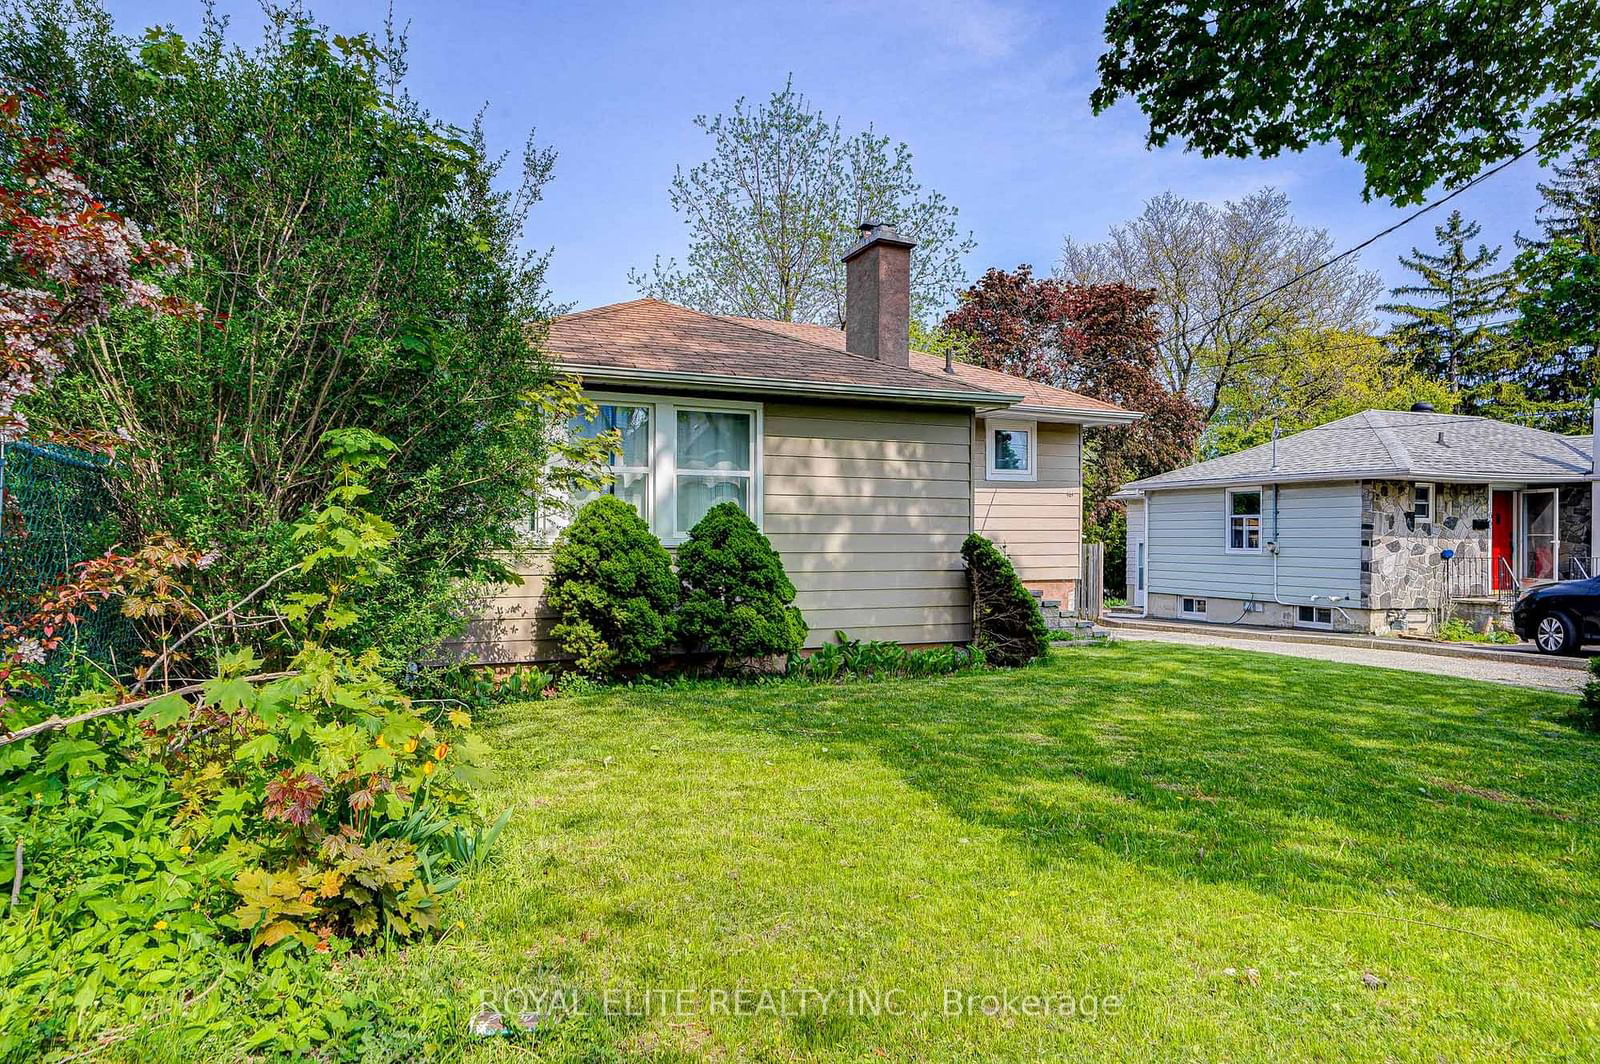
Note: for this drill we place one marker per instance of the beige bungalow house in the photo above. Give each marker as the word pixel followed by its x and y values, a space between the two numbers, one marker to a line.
pixel 864 462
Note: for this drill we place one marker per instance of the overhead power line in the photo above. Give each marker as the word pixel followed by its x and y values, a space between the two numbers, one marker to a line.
pixel 1358 248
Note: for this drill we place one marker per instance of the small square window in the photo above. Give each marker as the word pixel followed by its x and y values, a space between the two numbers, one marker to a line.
pixel 1193 607
pixel 1422 503
pixel 1012 450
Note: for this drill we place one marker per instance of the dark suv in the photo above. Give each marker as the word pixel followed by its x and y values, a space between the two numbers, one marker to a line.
pixel 1559 618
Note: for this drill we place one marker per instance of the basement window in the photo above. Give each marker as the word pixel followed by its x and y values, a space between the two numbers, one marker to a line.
pixel 1316 616
pixel 1192 607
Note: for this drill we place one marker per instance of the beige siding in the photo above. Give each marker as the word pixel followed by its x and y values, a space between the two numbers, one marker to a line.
pixel 515 624
pixel 868 507
pixel 1038 523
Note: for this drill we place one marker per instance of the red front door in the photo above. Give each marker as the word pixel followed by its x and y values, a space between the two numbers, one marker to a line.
pixel 1502 525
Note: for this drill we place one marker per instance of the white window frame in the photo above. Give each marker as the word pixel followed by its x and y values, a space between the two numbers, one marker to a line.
pixel 663 466
pixel 1197 601
pixel 543 528
pixel 1227 521
pixel 1029 474
pixel 1300 623
pixel 1433 495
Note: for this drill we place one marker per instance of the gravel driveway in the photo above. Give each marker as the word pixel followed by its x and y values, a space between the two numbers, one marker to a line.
pixel 1517 674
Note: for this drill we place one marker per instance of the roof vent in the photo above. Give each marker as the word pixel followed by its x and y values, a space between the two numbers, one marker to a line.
pixel 1422 408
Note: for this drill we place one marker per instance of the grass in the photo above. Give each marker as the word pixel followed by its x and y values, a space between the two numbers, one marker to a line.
pixel 1218 855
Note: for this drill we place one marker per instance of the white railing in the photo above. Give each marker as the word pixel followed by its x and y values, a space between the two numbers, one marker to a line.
pixel 1579 568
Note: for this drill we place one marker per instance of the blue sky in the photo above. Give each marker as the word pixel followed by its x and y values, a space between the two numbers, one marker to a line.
pixel 992 97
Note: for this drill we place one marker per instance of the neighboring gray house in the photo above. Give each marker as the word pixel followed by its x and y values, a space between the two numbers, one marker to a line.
pixel 1373 523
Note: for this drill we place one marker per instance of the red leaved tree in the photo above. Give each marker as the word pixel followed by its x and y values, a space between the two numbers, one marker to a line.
pixel 1098 340
pixel 67 262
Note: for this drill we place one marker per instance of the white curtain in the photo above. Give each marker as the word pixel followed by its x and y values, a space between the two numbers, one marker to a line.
pixel 711 443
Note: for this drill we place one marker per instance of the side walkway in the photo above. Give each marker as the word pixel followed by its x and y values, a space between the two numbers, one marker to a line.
pixel 1508 666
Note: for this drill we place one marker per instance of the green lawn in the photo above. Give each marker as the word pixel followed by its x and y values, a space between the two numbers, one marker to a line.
pixel 1124 825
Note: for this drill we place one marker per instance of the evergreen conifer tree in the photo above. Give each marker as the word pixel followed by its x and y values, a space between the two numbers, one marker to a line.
pixel 1448 323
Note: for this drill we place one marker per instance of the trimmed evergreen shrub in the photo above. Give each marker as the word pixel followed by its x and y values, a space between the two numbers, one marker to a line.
pixel 611 582
pixel 737 600
pixel 1007 626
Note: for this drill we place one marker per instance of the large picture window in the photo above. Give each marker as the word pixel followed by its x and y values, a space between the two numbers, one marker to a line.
pixel 1244 520
pixel 675 460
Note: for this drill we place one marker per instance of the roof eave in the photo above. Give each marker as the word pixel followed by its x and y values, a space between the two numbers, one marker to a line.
pixel 1137 488
pixel 1076 415
pixel 782 386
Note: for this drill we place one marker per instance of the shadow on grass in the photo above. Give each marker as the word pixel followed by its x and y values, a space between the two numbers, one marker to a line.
pixel 1298 778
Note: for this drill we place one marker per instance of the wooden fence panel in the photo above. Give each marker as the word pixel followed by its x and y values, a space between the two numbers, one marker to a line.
pixel 1092 586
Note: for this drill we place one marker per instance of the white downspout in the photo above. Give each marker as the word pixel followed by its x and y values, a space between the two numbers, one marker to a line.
pixel 1333 600
pixel 1144 607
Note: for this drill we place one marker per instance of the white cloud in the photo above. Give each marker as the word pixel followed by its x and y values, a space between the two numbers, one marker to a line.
pixel 984 30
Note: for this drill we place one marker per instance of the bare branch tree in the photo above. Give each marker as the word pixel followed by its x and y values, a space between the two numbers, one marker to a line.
pixel 1205 263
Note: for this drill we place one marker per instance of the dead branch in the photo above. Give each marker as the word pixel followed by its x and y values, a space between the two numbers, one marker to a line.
pixel 56 723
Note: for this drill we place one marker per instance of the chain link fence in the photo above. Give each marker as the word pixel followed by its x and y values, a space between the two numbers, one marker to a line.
pixel 55 511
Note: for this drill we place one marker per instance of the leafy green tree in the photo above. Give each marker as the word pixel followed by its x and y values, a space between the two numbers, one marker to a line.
pixel 1420 91
pixel 1447 325
pixel 611 583
pixel 780 201
pixel 1559 324
pixel 737 602
pixel 1314 377
pixel 362 259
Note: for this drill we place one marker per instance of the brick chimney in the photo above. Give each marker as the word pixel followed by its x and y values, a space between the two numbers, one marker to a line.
pixel 877 301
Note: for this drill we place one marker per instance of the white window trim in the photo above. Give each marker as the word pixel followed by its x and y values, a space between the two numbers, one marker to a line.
pixel 663 455
pixel 1198 600
pixel 1227 521
pixel 1432 497
pixel 1029 474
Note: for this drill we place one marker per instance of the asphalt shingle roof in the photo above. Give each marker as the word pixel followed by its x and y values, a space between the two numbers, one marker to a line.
pixel 650 335
pixel 1033 393
pixel 657 337
pixel 1403 445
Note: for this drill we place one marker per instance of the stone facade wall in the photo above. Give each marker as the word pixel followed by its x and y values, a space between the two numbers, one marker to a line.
pixel 1573 514
pixel 1401 567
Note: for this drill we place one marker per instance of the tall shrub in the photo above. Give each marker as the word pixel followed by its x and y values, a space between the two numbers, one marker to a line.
pixel 1006 623
pixel 364 263
pixel 611 583
pixel 737 600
